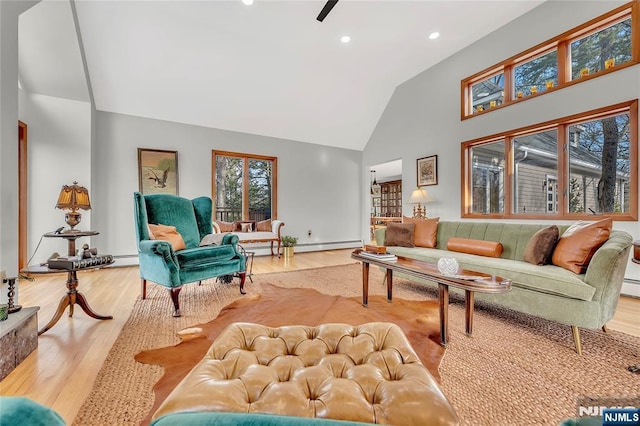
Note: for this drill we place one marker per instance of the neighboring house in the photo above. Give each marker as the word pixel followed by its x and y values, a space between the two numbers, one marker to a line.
pixel 536 177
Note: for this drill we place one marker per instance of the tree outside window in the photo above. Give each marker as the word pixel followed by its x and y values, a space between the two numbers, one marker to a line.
pixel 244 186
pixel 571 167
pixel 591 53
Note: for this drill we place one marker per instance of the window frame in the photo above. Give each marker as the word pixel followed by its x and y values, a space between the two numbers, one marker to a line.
pixel 245 181
pixel 563 169
pixel 562 43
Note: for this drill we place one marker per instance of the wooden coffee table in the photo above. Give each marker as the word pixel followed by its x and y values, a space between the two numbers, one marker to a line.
pixel 470 281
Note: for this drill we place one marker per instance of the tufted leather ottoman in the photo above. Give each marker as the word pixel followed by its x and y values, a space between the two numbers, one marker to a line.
pixel 366 373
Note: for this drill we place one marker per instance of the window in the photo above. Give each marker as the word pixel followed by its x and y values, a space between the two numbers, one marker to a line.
pixel 487 178
pixel 598 185
pixel 488 93
pixel 601 50
pixel 244 186
pixel 570 168
pixel 605 44
pixel 536 75
pixel 535 163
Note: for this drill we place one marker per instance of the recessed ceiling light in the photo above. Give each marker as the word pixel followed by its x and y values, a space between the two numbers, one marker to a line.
pixel 345 39
pixel 247 2
pixel 434 35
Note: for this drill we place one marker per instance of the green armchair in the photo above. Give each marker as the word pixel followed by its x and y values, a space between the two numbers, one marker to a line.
pixel 162 265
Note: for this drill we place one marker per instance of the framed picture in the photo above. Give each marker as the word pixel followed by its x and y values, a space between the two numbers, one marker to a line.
pixel 157 171
pixel 427 170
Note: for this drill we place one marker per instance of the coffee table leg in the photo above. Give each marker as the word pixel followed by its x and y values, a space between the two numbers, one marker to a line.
pixel 365 283
pixel 468 317
pixel 389 285
pixel 443 297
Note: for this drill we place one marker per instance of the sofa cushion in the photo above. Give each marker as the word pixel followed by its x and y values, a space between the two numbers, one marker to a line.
pixel 472 246
pixel 541 245
pixel 577 244
pixel 400 234
pixel 425 231
pixel 246 227
pixel 264 226
pixel 205 255
pixel 546 279
pixel 514 237
pixel 167 233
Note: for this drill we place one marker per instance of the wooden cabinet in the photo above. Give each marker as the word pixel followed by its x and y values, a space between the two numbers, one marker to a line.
pixel 391 198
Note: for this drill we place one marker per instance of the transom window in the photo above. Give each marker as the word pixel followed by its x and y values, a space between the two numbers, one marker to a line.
pixel 574 167
pixel 244 186
pixel 605 44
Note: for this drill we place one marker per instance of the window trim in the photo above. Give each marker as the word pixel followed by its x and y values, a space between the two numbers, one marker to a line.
pixel 561 125
pixel 562 43
pixel 245 182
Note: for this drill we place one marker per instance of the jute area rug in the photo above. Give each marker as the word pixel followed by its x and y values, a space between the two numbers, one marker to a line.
pixel 516 369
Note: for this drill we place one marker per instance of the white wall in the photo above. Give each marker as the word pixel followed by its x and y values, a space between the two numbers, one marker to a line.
pixel 9 12
pixel 59 153
pixel 423 116
pixel 317 185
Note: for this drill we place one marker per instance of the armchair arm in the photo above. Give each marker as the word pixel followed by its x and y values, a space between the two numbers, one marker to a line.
pixel 276 225
pixel 232 239
pixel 157 247
pixel 158 262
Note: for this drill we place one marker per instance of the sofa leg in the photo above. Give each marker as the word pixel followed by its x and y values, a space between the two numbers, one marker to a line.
pixel 174 293
pixel 605 329
pixel 576 338
pixel 243 276
pixel 278 248
pixel 143 288
pixel 272 249
pixel 199 282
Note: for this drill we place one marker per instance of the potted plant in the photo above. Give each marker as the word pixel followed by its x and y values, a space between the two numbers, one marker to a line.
pixel 288 243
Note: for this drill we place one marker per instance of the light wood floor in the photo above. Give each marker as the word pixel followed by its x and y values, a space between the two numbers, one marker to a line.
pixel 60 373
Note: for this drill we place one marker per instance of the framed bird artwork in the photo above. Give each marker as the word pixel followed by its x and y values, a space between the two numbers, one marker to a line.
pixel 157 171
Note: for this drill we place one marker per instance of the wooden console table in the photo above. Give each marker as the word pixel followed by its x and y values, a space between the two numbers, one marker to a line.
pixel 73 296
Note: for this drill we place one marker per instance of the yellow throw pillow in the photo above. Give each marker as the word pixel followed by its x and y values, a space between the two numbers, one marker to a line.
pixel 169 234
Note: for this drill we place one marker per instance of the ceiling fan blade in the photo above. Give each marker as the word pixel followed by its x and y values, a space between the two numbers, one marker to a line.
pixel 326 9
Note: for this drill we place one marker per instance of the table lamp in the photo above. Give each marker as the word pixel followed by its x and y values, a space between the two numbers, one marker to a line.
pixel 418 196
pixel 72 198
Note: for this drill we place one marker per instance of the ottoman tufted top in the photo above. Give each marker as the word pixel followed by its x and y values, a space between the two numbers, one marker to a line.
pixel 366 373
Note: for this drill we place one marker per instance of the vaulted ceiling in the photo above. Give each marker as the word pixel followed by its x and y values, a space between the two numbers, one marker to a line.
pixel 270 68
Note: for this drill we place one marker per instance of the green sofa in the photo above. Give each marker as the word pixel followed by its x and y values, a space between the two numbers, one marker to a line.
pixel 588 300
pixel 162 265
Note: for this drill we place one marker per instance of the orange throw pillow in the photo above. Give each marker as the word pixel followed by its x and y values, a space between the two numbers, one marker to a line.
pixel 264 226
pixel 425 232
pixel 226 226
pixel 578 244
pixel 169 234
pixel 479 247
